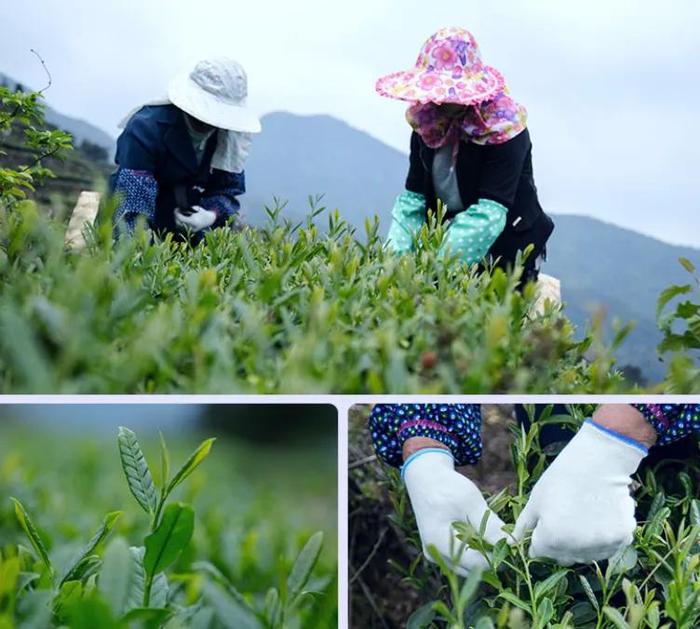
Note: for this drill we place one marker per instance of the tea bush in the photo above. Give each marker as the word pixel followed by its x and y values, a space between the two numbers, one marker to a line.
pixel 190 546
pixel 679 322
pixel 286 308
pixel 654 583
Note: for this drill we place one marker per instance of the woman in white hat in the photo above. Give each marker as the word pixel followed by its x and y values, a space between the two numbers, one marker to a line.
pixel 471 150
pixel 181 160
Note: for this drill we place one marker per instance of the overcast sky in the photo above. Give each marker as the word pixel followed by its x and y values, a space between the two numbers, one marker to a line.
pixel 611 87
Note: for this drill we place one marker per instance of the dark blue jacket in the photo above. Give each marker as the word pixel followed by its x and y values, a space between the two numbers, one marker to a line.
pixel 158 172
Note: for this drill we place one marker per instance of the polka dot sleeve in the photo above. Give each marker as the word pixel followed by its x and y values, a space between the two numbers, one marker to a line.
pixel 671 421
pixel 407 217
pixel 458 426
pixel 472 232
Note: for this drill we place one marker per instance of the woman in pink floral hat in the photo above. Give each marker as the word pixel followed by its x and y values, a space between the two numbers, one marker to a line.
pixel 471 150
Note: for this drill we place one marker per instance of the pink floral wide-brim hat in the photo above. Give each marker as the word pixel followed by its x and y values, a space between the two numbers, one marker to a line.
pixel 449 69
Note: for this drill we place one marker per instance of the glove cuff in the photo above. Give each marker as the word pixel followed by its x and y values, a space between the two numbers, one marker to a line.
pixel 620 437
pixel 441 452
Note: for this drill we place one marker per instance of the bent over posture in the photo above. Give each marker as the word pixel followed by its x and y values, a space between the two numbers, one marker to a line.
pixel 471 150
pixel 180 160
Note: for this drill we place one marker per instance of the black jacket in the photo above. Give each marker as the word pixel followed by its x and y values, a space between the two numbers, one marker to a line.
pixel 500 172
pixel 156 142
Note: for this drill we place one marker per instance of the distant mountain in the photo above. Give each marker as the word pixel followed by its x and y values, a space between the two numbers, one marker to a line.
pixel 297 156
pixel 79 129
pixel 600 265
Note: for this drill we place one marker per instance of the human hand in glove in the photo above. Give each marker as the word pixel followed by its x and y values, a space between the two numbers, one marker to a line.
pixel 581 510
pixel 440 496
pixel 195 218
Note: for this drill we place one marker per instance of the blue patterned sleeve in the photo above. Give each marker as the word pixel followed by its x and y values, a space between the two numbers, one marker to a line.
pixel 671 421
pixel 135 191
pixel 221 195
pixel 457 426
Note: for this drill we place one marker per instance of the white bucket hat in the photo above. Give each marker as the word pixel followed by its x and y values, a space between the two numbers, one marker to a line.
pixel 215 92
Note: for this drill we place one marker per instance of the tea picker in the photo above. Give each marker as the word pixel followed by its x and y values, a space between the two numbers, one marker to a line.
pixel 471 150
pixel 180 160
pixel 580 510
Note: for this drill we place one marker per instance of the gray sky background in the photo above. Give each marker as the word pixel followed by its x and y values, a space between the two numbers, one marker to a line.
pixel 611 87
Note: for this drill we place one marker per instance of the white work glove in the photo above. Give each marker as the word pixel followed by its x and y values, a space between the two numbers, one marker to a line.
pixel 440 496
pixel 580 509
pixel 195 218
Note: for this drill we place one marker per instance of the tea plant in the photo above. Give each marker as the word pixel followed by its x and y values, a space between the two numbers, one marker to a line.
pixel 679 322
pixel 654 583
pixel 158 583
pixel 25 111
pixel 284 308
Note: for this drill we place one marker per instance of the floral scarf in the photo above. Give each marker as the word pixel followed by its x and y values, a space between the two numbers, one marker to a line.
pixel 492 122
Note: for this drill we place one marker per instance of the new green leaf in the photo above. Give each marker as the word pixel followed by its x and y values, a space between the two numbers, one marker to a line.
pixel 32 534
pixel 303 566
pixel 169 539
pixel 138 475
pixel 191 464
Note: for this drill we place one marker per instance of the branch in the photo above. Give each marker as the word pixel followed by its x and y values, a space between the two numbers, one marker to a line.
pixel 43 65
pixel 9 117
pixel 37 161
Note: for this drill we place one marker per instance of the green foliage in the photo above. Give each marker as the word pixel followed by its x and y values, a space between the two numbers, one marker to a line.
pixel 653 584
pixel 157 583
pixel 25 110
pixel 679 322
pixel 284 308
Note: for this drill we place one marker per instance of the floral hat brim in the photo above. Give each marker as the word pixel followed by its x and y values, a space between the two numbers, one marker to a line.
pixel 434 86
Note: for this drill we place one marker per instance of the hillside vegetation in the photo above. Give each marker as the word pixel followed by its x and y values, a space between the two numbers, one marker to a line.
pixel 287 307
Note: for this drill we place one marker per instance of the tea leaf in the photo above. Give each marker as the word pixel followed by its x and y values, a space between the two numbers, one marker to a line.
pixel 117 575
pixel 687 264
pixel 514 600
pixel 589 592
pixel 668 294
pixel 32 534
pixel 159 587
pixel 615 617
pixel 695 511
pixel 191 464
pixel 169 539
pixel 135 467
pixel 422 617
pixel 469 588
pixel 149 616
pixel 88 613
pixel 303 566
pixel 545 611
pixel 230 613
pixel 107 525
pixel 552 581
pixel 623 560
